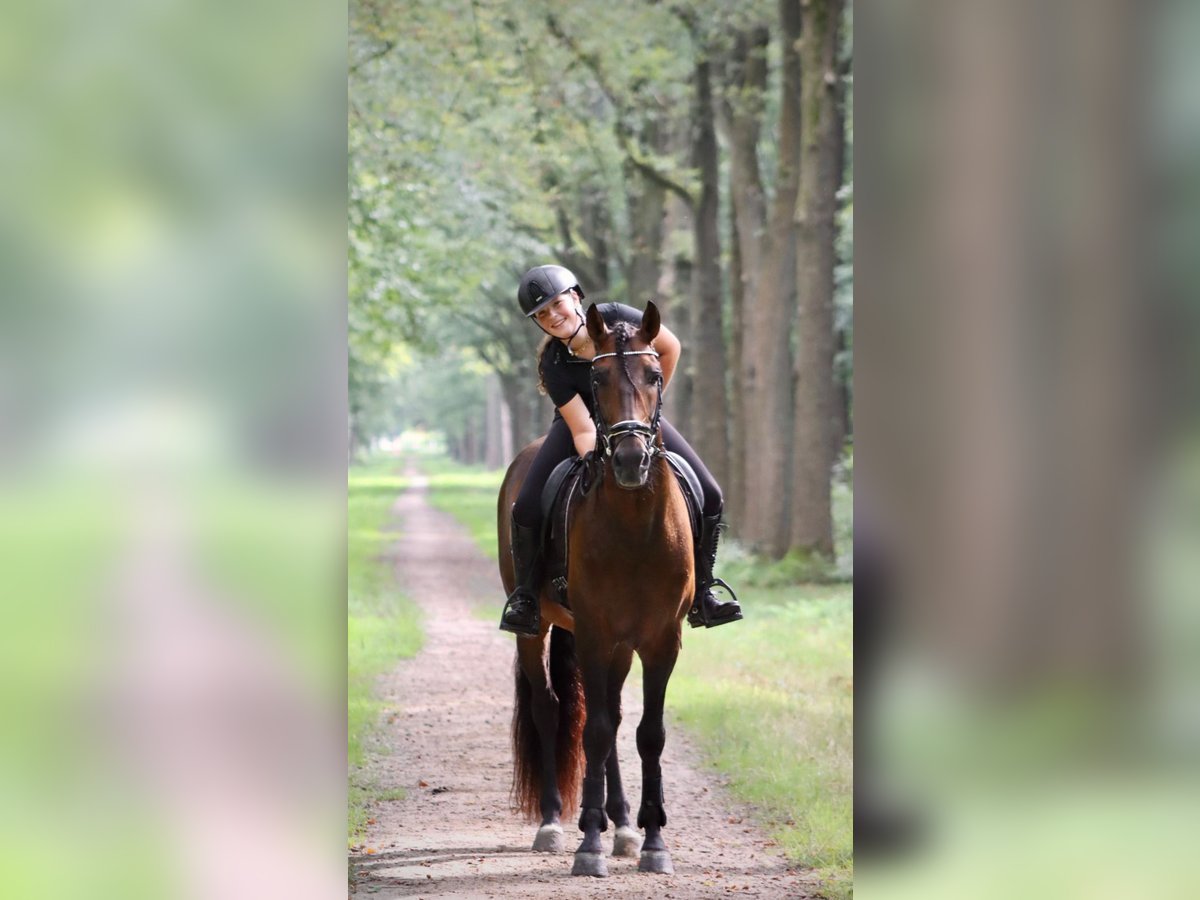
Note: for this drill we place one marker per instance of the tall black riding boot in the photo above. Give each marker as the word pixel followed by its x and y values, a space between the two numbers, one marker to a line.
pixel 706 609
pixel 521 613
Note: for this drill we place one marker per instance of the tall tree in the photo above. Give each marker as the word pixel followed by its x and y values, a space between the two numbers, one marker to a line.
pixel 817 420
pixel 700 193
pixel 742 105
pixel 769 273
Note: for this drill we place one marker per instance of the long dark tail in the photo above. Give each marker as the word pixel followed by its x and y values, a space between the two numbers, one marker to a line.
pixel 567 685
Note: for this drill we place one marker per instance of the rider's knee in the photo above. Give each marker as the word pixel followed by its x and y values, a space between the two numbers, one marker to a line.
pixel 714 502
pixel 527 512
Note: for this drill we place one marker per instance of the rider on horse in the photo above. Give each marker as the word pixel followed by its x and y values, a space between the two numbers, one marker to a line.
pixel 551 296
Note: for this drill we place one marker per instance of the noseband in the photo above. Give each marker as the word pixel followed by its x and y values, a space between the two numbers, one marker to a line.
pixel 609 435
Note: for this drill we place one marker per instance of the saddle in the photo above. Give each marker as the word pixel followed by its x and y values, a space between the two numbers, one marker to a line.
pixel 567 484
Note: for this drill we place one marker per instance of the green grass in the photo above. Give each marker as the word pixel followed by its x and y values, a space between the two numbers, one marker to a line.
pixel 382 626
pixel 769 699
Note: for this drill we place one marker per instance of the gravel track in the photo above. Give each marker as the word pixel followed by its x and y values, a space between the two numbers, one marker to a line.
pixel 446 745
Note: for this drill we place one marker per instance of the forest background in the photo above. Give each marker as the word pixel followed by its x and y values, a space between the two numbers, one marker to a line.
pixel 694 153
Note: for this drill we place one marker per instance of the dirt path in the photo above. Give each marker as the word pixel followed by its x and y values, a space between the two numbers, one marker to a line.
pixel 453 835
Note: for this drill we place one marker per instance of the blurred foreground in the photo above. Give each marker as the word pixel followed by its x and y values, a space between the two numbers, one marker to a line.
pixel 1028 699
pixel 172 465
pixel 171 472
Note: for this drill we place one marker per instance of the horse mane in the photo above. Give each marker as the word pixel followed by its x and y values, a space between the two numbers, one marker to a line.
pixel 624 332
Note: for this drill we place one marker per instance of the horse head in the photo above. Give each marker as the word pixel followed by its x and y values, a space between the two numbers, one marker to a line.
pixel 627 394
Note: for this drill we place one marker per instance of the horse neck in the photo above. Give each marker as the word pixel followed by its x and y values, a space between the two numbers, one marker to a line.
pixel 635 510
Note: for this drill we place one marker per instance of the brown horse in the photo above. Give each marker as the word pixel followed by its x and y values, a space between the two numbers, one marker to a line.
pixel 630 581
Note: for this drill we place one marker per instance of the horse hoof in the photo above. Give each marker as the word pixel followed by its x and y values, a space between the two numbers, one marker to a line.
pixel 627 842
pixel 549 839
pixel 590 864
pixel 657 862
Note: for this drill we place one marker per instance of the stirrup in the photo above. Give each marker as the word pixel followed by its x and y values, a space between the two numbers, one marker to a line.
pixel 532 629
pixel 697 615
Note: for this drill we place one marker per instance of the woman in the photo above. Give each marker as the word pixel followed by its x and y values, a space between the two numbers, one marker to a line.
pixel 551 296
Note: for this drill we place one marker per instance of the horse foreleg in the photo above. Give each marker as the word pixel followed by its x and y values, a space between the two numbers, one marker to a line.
pixel 597 744
pixel 651 737
pixel 626 840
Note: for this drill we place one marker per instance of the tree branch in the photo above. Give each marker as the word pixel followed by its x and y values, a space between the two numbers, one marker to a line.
pixel 388 47
pixel 621 127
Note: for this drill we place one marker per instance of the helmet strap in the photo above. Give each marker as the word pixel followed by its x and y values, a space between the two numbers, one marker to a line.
pixel 575 332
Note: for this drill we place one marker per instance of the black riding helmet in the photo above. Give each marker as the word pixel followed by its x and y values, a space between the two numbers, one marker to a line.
pixel 541 284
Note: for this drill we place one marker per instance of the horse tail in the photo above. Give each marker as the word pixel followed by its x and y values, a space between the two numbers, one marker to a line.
pixel 567 684
pixel 567 681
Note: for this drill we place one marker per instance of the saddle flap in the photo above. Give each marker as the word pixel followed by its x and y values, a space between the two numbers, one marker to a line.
pixel 690 483
pixel 561 474
pixel 559 486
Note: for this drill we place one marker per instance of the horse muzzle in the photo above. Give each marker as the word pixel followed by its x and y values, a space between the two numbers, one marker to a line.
pixel 631 462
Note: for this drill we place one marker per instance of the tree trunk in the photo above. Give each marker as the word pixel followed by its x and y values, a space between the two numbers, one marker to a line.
pixel 647 212
pixel 518 405
pixel 674 286
pixel 708 341
pixel 682 393
pixel 735 490
pixel 743 109
pixel 816 416
pixel 497 438
pixel 766 362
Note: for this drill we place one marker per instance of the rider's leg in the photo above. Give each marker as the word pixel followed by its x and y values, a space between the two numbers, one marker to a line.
pixel 706 609
pixel 521 613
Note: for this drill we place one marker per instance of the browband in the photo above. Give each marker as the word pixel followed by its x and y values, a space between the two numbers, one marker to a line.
pixel 626 353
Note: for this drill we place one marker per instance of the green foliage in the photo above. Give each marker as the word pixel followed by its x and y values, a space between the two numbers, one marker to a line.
pixel 382 626
pixel 770 700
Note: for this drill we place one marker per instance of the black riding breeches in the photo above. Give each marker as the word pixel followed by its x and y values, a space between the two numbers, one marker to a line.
pixel 559 445
pixel 713 500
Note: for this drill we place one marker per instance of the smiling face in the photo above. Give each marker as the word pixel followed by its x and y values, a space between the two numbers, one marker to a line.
pixel 559 317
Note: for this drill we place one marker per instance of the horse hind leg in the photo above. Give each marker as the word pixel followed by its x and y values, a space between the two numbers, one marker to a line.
pixel 544 711
pixel 549 838
pixel 651 738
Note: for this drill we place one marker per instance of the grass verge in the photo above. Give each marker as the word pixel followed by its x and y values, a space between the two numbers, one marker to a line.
pixel 382 626
pixel 769 699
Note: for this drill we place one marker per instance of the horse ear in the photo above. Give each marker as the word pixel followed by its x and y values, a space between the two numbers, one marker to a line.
pixel 651 322
pixel 595 325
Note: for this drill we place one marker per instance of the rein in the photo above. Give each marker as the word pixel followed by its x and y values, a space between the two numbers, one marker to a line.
pixel 609 435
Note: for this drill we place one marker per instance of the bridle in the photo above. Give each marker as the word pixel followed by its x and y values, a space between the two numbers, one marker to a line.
pixel 608 435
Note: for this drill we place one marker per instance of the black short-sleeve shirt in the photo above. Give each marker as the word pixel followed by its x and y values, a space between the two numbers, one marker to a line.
pixel 564 375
